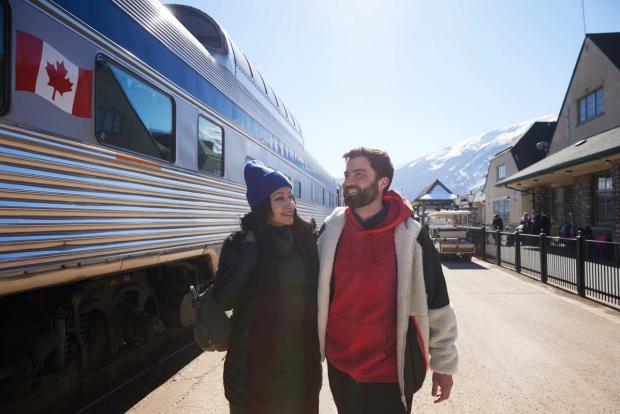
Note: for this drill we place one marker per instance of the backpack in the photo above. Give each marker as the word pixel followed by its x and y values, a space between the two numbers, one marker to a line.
pixel 213 326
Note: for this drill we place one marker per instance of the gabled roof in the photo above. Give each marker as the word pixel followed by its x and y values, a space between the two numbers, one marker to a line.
pixel 609 43
pixel 437 191
pixel 523 148
pixel 524 151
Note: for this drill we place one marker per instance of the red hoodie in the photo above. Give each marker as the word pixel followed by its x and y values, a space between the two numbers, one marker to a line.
pixel 361 326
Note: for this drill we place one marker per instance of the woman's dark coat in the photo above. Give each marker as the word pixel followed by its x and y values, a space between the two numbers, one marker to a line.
pixel 247 282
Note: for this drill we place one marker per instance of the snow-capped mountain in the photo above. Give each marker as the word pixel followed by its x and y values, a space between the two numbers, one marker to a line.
pixel 461 167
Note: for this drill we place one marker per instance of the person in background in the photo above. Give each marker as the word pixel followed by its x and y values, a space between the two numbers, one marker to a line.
pixel 536 223
pixel 545 224
pixel 383 300
pixel 526 223
pixel 498 223
pixel 268 275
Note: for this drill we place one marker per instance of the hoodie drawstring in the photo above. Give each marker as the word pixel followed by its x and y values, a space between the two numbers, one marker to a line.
pixel 374 249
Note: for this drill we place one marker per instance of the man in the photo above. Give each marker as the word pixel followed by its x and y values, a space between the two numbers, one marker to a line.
pixel 383 301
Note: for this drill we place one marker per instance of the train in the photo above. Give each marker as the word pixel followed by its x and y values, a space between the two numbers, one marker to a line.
pixel 124 129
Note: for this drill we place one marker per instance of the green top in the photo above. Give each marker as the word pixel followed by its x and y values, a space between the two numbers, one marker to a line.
pixel 287 381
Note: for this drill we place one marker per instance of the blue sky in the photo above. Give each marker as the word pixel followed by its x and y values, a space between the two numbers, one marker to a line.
pixel 411 76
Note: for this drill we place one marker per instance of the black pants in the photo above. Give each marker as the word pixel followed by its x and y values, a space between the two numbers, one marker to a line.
pixel 353 397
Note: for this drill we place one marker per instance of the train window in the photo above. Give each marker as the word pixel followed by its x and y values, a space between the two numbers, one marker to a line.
pixel 4 61
pixel 297 189
pixel 210 147
pixel 131 114
pixel 320 195
pixel 201 25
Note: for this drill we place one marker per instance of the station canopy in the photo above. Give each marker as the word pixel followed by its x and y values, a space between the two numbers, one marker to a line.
pixel 584 157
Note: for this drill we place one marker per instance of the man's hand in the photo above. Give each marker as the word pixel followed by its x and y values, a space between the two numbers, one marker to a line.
pixel 442 385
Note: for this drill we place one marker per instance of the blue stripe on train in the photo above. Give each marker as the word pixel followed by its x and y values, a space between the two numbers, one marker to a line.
pixel 112 22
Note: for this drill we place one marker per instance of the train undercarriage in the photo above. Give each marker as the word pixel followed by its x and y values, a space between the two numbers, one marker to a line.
pixel 59 334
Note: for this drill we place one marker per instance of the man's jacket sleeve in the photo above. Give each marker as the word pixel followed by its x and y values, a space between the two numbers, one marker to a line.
pixel 233 272
pixel 442 319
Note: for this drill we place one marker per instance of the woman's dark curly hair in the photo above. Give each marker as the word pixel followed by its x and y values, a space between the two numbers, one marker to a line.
pixel 257 219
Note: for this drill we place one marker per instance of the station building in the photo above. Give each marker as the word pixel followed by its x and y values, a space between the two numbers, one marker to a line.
pixel 507 201
pixel 578 182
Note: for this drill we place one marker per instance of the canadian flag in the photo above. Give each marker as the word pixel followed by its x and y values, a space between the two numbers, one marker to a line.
pixel 41 69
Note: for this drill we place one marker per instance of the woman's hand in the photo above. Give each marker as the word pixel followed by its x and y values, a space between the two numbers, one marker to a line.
pixel 249 237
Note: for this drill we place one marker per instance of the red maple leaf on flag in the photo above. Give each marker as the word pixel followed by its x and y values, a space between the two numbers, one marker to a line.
pixel 57 78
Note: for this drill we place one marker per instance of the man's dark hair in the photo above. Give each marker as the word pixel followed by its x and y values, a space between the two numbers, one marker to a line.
pixel 379 161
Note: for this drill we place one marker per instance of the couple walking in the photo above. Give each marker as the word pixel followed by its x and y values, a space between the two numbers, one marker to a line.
pixel 370 297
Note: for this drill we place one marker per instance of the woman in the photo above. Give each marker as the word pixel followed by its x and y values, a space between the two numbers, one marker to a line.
pixel 268 275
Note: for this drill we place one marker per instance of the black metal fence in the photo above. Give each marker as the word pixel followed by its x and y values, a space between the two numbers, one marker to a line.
pixel 588 268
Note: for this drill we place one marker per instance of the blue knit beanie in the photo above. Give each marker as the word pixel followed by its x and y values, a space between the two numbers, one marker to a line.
pixel 261 181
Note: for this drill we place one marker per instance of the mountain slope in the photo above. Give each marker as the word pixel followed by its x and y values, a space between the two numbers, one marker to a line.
pixel 461 167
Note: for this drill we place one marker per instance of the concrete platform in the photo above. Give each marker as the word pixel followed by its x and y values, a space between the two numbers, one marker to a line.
pixel 525 348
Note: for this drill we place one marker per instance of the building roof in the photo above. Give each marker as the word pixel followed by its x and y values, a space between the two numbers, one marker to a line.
pixel 437 191
pixel 525 152
pixel 598 146
pixel 609 43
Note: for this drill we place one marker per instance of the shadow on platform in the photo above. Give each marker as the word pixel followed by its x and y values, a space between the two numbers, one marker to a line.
pixel 462 265
pixel 133 390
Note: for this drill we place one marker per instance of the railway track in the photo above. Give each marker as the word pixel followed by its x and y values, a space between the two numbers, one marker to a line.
pixel 73 392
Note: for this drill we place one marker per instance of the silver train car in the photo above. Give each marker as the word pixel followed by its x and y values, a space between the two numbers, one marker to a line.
pixel 124 128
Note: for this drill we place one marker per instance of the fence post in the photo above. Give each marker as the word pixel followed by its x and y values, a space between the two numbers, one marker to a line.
pixel 580 259
pixel 498 242
pixel 483 247
pixel 517 252
pixel 543 257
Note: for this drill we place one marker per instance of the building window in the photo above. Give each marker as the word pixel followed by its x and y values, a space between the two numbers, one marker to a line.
pixel 210 147
pixel 502 207
pixel 591 106
pixel 297 189
pixel 604 201
pixel 131 114
pixel 501 172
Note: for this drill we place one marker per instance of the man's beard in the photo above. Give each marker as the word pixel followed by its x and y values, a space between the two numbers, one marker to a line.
pixel 363 197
